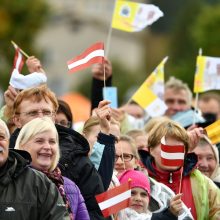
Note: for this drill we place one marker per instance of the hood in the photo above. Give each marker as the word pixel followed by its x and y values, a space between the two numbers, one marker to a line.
pixel 190 161
pixel 17 162
pixel 69 139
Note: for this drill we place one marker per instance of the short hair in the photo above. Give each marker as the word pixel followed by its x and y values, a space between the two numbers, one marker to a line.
pixel 131 142
pixel 65 109
pixel 34 127
pixel 152 122
pixel 36 94
pixel 177 85
pixel 206 97
pixel 93 121
pixel 167 128
pixel 135 133
pixel 3 124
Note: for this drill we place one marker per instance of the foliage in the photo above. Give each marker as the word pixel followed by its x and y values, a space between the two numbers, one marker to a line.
pixel 20 21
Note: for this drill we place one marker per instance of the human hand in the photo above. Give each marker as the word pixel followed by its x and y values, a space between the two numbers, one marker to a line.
pixel 9 95
pixel 103 112
pixel 194 134
pixel 34 65
pixel 176 206
pixel 98 70
pixel 118 114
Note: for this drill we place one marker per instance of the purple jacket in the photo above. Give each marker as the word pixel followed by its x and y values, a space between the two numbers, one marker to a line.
pixel 76 200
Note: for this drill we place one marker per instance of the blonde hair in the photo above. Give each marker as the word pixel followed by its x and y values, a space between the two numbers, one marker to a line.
pixel 34 127
pixel 135 133
pixel 177 85
pixel 167 128
pixel 131 142
pixel 3 124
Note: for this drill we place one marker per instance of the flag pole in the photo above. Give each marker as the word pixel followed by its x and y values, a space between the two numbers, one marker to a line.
pixel 16 46
pixel 181 178
pixel 196 97
pixel 110 33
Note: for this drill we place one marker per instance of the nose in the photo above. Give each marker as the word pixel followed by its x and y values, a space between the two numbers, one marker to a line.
pixel 119 161
pixel 137 197
pixel 203 163
pixel 47 145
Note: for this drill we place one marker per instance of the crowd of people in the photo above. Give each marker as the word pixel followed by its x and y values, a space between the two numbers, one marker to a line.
pixel 48 170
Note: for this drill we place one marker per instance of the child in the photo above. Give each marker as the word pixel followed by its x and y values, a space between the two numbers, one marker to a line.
pixel 140 195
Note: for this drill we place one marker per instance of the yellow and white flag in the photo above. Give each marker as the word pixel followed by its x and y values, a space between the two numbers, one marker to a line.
pixel 132 17
pixel 153 105
pixel 213 132
pixel 207 75
pixel 156 79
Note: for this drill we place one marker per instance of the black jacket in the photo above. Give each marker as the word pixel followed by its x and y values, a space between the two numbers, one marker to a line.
pixel 26 193
pixel 76 165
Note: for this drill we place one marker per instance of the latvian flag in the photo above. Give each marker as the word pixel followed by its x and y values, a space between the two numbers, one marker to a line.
pixel 114 200
pixel 18 59
pixel 94 54
pixel 172 155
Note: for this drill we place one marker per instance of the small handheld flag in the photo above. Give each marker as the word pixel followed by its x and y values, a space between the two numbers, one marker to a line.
pixel 213 132
pixel 18 59
pixel 172 155
pixel 132 17
pixel 114 200
pixel 92 55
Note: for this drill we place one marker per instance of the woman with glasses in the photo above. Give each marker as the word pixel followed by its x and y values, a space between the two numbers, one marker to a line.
pixel 39 137
pixel 126 155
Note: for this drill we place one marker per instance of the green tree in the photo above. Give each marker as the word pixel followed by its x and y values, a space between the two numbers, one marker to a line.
pixel 20 21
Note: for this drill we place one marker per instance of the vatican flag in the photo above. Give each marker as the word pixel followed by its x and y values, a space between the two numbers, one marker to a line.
pixel 133 17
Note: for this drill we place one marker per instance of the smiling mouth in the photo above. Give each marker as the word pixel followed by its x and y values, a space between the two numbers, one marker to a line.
pixel 1 149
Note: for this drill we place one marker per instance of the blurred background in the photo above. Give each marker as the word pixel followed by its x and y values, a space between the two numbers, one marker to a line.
pixel 56 31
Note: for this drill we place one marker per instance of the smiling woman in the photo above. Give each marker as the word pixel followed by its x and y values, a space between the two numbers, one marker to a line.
pixel 40 138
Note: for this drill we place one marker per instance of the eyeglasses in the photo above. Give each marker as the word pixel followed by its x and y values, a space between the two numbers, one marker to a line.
pixel 35 113
pixel 64 123
pixel 124 157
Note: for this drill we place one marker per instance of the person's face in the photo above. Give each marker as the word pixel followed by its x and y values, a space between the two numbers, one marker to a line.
pixel 29 110
pixel 134 110
pixel 92 135
pixel 141 142
pixel 43 148
pixel 61 119
pixel 206 159
pixel 176 101
pixel 139 200
pixel 211 106
pixel 124 148
pixel 4 142
pixel 156 153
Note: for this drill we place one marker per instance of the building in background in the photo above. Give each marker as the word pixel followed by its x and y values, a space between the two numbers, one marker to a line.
pixel 74 26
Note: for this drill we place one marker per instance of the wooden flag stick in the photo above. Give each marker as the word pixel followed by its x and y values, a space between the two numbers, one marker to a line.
pixel 181 178
pixel 16 46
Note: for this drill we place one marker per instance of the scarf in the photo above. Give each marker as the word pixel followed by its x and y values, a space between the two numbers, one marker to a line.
pixel 56 177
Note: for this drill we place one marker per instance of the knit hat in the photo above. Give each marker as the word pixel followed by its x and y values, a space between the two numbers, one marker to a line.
pixel 138 179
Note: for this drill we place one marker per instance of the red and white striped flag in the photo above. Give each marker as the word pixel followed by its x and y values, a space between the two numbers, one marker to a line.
pixel 114 200
pixel 92 55
pixel 172 155
pixel 18 59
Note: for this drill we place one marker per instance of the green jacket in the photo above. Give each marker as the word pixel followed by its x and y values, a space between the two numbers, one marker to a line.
pixel 26 193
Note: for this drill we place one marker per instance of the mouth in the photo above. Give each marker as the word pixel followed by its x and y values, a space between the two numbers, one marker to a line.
pixel 45 155
pixel 1 149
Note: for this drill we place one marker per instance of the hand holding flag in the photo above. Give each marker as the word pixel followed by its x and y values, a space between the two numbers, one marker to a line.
pixel 114 200
pixel 92 55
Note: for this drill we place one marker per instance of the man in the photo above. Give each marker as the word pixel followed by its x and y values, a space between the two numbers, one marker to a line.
pixel 209 104
pixel 177 96
pixel 74 163
pixel 25 193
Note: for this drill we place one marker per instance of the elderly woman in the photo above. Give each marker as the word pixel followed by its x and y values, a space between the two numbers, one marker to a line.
pixel 199 192
pixel 208 159
pixel 39 137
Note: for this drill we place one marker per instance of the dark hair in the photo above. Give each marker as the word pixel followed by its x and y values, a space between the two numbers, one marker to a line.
pixel 65 109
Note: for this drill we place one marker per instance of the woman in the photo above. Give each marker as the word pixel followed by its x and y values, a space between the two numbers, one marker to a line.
pixel 127 158
pixel 199 193
pixel 208 159
pixel 39 137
